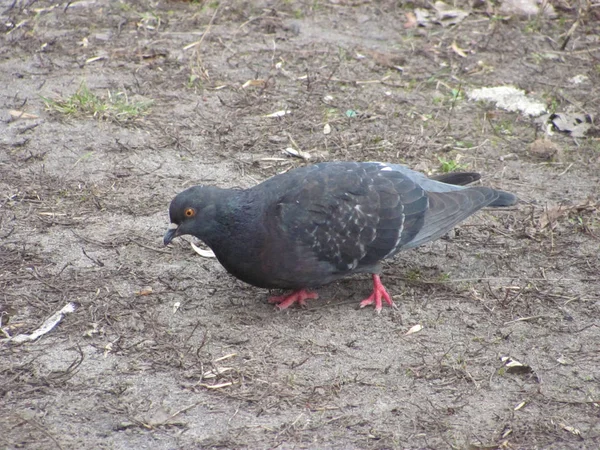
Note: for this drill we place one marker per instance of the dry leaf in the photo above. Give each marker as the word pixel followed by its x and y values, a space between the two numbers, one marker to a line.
pixel 527 8
pixel 414 329
pixel 551 214
pixel 144 291
pixel 281 113
pixel 571 430
pixel 411 20
pixel 47 326
pixel 422 16
pixel 297 153
pixel 447 16
pixel 254 83
pixel 21 115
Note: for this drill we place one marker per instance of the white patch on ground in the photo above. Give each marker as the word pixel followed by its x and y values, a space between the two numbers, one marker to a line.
pixel 509 98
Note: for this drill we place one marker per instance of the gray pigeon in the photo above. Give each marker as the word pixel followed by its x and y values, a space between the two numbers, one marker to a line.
pixel 316 224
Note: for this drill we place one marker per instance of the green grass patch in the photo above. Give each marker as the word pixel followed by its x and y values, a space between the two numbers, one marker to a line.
pixel 450 165
pixel 115 106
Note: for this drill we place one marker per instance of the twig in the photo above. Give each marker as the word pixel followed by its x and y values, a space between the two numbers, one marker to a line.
pixel 526 319
pixel 565 171
pixel 199 42
pixel 176 413
pixel 93 241
pixel 148 247
pixel 46 432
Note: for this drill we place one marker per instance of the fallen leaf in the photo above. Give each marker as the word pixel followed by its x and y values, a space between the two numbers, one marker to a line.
pixel 578 79
pixel 107 349
pixel 144 291
pixel 47 326
pixel 281 113
pixel 254 83
pixel 551 214
pixel 564 361
pixel 411 20
pixel 21 115
pixel 297 153
pixel 571 430
pixel 447 16
pixel 527 8
pixel 414 329
pixel 422 16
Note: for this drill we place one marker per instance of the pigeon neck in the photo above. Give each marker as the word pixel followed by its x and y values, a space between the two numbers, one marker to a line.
pixel 232 216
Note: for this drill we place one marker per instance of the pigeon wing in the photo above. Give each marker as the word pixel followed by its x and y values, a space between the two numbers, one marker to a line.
pixel 332 216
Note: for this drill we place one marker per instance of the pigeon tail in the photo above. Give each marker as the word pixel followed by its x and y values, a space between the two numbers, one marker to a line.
pixel 457 178
pixel 504 199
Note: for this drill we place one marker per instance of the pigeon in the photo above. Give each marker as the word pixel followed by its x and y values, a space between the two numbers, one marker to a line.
pixel 316 224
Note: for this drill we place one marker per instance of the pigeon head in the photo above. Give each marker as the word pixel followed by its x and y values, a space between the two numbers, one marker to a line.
pixel 193 211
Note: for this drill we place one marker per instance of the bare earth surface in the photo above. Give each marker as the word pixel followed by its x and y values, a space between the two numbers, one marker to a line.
pixel 165 350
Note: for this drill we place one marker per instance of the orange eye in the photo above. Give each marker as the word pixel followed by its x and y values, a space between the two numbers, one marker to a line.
pixel 189 212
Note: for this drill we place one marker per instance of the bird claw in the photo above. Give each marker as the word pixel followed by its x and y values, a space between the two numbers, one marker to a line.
pixel 285 301
pixel 379 292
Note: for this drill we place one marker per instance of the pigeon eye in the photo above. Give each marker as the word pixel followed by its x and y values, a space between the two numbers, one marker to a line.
pixel 189 212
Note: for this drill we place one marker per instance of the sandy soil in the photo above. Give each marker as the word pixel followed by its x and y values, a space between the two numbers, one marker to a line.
pixel 108 109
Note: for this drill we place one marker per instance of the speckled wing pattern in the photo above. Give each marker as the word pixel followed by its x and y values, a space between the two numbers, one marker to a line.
pixel 352 215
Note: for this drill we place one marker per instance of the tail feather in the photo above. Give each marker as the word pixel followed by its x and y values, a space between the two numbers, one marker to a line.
pixel 504 199
pixel 457 178
pixel 451 182
pixel 446 209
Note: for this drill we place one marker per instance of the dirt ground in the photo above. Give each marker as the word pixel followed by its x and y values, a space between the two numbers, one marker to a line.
pixel 110 108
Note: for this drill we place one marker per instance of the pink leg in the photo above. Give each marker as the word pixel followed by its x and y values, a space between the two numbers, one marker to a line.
pixel 285 301
pixel 378 292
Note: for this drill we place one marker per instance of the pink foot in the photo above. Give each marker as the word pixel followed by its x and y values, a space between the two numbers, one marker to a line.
pixel 285 301
pixel 378 292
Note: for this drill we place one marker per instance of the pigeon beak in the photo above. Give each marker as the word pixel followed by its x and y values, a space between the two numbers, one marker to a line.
pixel 171 233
